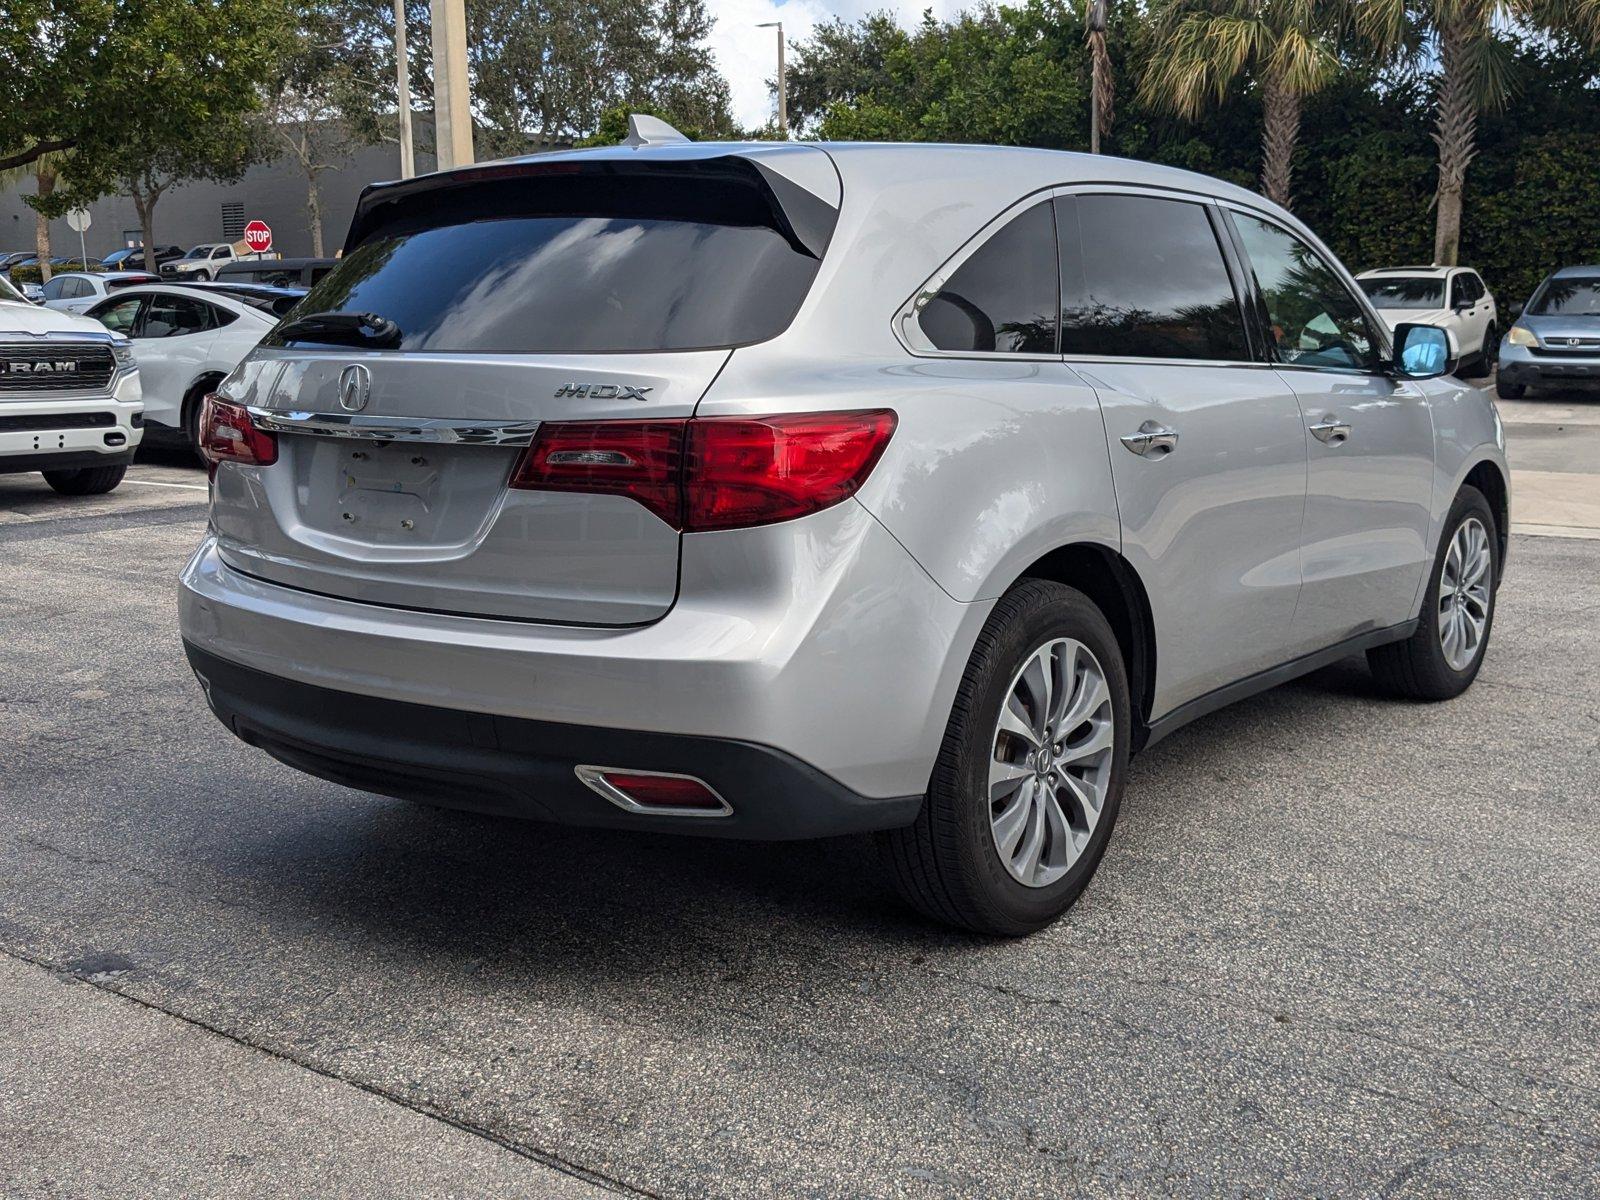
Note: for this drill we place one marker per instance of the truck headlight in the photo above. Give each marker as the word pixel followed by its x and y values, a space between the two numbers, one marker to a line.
pixel 123 352
pixel 1521 335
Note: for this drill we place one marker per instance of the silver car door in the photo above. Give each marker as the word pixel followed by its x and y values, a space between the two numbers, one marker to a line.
pixel 1206 443
pixel 1371 441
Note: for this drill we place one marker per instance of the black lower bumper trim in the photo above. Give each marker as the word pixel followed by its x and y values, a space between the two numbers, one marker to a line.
pixel 522 768
pixel 11 464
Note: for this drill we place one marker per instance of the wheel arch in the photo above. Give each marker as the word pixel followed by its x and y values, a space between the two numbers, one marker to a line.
pixel 205 382
pixel 1108 579
pixel 1487 476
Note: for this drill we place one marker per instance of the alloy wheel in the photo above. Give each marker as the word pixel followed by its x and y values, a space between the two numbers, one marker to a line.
pixel 1465 594
pixel 1050 765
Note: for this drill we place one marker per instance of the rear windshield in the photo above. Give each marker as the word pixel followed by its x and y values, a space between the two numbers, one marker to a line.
pixel 1404 291
pixel 578 263
pixel 1568 296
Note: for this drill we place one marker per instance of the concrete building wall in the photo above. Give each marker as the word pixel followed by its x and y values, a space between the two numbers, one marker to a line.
pixel 273 192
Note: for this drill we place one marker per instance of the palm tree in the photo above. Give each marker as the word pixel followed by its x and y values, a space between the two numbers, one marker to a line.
pixel 1473 74
pixel 1290 48
pixel 44 171
pixel 1103 90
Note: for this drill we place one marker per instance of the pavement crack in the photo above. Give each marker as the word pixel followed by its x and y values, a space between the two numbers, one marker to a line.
pixel 544 1158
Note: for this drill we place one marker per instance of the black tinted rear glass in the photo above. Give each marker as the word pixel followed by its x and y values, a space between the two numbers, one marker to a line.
pixel 1145 278
pixel 577 264
pixel 1569 295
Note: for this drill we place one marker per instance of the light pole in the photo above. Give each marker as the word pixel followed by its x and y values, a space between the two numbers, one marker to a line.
pixel 402 80
pixel 783 85
pixel 452 95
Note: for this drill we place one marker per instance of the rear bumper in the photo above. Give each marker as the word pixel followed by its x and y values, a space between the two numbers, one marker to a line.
pixel 818 638
pixel 520 768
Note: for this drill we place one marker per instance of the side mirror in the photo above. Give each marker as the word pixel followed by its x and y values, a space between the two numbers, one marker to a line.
pixel 1423 352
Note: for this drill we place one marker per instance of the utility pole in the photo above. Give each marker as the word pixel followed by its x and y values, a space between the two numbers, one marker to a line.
pixel 783 83
pixel 452 95
pixel 402 81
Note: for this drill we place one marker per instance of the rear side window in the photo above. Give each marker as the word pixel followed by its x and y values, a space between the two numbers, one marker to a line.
pixel 1003 299
pixel 575 260
pixel 1143 277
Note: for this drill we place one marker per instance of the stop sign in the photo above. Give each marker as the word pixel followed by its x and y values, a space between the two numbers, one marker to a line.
pixel 258 236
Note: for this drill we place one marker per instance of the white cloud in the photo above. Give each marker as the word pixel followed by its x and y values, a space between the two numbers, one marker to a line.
pixel 748 56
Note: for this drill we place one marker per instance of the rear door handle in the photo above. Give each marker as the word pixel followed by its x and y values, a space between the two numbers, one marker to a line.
pixel 1153 440
pixel 1330 430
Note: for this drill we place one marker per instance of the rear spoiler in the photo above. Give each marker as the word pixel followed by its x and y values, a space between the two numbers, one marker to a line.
pixel 701 186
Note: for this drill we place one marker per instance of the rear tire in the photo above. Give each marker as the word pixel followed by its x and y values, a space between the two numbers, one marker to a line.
pixel 86 481
pixel 949 864
pixel 1509 391
pixel 1421 667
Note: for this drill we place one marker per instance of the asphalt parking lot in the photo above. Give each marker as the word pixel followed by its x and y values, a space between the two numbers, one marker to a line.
pixel 1340 945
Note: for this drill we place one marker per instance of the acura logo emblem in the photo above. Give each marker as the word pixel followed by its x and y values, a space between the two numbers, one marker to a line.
pixel 355 386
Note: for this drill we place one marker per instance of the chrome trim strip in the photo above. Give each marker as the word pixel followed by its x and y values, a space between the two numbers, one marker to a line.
pixel 360 426
pixel 594 779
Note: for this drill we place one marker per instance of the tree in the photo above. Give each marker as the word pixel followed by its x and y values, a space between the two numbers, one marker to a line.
pixel 548 70
pixel 1469 39
pixel 1104 90
pixel 1012 76
pixel 93 76
pixel 1290 48
pixel 221 150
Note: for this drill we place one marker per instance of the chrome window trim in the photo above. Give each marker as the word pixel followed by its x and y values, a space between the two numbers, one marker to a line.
pixel 593 778
pixel 361 427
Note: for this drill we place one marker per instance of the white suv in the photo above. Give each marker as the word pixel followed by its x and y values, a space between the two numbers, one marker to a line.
pixel 1453 298
pixel 779 490
pixel 69 397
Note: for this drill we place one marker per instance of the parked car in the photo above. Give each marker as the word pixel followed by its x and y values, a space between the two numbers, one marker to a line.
pixel 131 258
pixel 78 291
pixel 201 262
pixel 1556 337
pixel 781 490
pixel 1453 298
pixel 11 258
pixel 278 272
pixel 184 343
pixel 69 397
pixel 274 300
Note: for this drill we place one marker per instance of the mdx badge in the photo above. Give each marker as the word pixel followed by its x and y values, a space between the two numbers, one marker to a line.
pixel 602 391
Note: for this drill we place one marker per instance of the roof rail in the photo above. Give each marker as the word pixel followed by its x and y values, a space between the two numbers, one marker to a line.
pixel 645 130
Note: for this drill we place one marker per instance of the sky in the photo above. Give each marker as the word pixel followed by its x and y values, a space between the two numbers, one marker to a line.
pixel 748 56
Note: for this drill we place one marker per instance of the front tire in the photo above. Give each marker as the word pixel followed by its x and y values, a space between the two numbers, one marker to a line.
pixel 1028 782
pixel 86 481
pixel 1442 658
pixel 1485 364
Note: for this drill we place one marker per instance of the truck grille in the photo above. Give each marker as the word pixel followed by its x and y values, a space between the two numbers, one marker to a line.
pixel 52 366
pixel 1569 345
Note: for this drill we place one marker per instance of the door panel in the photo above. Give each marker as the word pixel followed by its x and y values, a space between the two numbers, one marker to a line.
pixel 1368 499
pixel 1212 526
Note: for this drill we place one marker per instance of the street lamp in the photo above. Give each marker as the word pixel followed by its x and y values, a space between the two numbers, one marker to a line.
pixel 783 86
pixel 402 73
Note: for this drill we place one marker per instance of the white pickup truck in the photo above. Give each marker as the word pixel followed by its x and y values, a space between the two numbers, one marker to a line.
pixel 70 405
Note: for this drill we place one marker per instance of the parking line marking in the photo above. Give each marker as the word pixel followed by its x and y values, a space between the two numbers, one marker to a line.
pixel 188 487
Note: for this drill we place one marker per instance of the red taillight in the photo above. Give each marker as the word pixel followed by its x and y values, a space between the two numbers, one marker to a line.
pixel 640 459
pixel 713 472
pixel 754 470
pixel 228 435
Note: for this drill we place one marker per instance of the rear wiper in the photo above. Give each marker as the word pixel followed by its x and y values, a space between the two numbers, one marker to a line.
pixel 351 329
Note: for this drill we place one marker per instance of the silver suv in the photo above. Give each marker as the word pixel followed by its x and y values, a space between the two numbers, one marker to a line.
pixel 781 490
